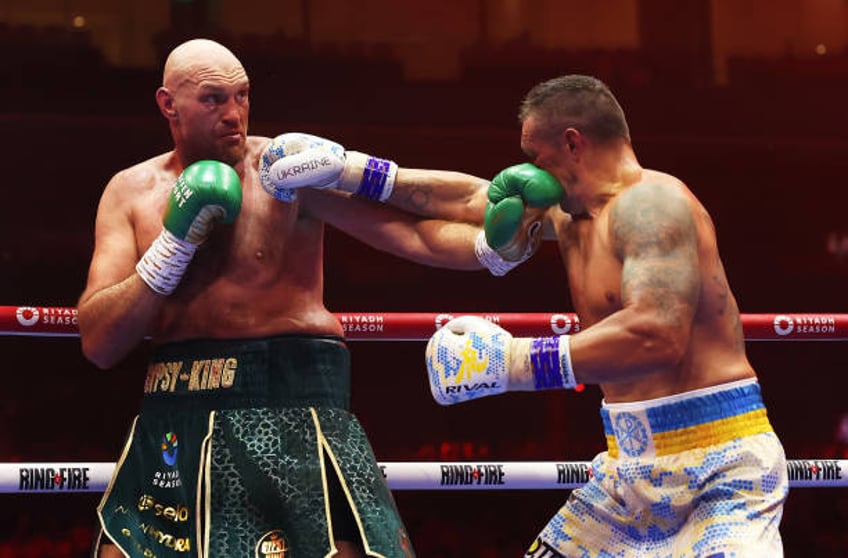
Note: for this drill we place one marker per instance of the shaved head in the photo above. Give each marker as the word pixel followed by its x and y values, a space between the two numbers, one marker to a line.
pixel 205 95
pixel 194 59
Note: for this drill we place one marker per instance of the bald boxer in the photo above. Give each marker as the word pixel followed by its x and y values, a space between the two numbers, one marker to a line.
pixel 244 444
pixel 693 466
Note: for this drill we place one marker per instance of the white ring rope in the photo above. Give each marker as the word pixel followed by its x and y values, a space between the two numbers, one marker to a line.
pixel 52 477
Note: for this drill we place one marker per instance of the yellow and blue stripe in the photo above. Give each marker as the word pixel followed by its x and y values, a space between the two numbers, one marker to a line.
pixel 696 419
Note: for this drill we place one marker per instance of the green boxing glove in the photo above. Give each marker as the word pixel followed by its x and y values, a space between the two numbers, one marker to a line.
pixel 518 198
pixel 205 193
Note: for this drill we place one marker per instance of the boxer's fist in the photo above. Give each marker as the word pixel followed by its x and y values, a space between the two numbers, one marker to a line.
pixel 518 197
pixel 206 192
pixel 296 160
pixel 468 358
pixel 309 159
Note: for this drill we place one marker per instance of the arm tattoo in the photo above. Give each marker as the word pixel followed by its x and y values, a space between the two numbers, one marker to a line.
pixel 654 235
pixel 416 198
pixel 419 197
pixel 727 304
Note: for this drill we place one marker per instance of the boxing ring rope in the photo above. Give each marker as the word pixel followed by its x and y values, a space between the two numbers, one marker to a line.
pixel 46 321
pixel 409 475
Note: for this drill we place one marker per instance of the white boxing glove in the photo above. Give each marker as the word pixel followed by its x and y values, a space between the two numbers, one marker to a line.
pixel 295 160
pixel 470 357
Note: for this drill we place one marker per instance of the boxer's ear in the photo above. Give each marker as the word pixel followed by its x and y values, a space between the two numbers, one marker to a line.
pixel 165 100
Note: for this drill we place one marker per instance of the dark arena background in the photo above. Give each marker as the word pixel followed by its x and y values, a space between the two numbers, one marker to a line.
pixel 744 100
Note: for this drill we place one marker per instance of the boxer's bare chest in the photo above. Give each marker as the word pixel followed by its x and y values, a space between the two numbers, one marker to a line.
pixel 594 272
pixel 261 274
pixel 256 246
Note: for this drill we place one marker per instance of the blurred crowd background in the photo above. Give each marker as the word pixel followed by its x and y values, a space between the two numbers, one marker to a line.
pixel 742 99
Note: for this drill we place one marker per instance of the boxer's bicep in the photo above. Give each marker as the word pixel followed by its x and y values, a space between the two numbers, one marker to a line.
pixel 654 235
pixel 115 247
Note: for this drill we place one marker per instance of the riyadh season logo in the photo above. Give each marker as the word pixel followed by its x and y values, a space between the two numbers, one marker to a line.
pixel 442 319
pixel 27 316
pixel 562 324
pixel 810 324
pixel 169 449
pixel 783 325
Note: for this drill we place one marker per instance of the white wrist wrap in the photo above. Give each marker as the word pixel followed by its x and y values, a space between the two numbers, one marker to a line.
pixel 165 262
pixel 568 379
pixel 490 259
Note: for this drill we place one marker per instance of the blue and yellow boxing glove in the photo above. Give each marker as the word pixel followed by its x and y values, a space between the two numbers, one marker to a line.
pixel 470 357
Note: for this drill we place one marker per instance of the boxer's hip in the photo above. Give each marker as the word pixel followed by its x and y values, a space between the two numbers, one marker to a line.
pixel 688 475
pixel 233 448
pixel 686 421
pixel 278 371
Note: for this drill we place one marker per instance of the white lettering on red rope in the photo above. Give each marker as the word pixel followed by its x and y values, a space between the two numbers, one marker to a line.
pixel 787 325
pixel 362 323
pixel 29 316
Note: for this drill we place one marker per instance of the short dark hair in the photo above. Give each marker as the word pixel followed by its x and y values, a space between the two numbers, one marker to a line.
pixel 579 101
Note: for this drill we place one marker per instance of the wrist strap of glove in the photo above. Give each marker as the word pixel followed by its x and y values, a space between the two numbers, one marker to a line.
pixel 550 358
pixel 368 177
pixel 163 265
pixel 490 259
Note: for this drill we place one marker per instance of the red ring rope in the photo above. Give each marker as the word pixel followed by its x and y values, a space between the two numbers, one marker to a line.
pixel 48 321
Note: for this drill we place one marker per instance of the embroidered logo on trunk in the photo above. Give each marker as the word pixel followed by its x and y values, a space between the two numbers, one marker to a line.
pixel 272 545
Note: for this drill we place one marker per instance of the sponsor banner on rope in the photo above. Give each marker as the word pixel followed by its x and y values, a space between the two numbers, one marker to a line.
pixel 806 325
pixel 803 472
pixel 47 320
pixel 571 474
pixel 362 323
pixel 94 477
pixel 462 474
pixel 49 479
pixel 485 476
pixel 52 477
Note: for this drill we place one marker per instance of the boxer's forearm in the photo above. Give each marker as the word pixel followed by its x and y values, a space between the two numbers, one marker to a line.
pixel 114 320
pixel 448 195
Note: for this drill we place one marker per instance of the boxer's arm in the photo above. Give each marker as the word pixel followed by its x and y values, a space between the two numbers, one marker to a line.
pixel 117 307
pixel 448 195
pixel 432 242
pixel 295 161
pixel 114 314
pixel 653 233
